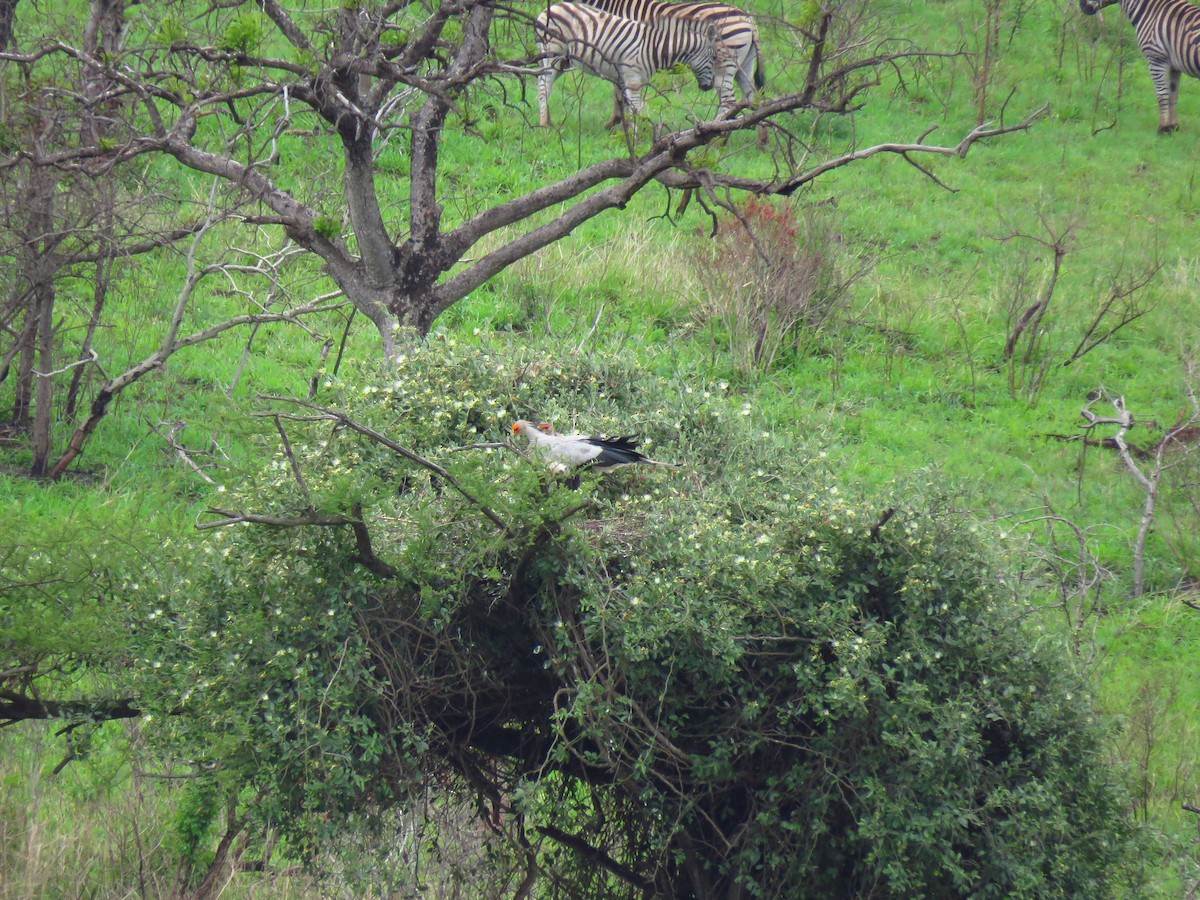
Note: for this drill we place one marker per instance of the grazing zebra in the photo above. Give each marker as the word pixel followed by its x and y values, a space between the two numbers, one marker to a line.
pixel 1168 33
pixel 622 51
pixel 735 30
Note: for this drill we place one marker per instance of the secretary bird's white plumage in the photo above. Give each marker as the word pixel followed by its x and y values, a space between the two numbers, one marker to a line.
pixel 574 451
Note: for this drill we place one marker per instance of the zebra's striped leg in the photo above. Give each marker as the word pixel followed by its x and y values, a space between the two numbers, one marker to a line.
pixel 745 82
pixel 545 85
pixel 627 96
pixel 749 72
pixel 618 109
pixel 1166 89
pixel 634 99
pixel 1172 117
pixel 725 99
pixel 725 71
pixel 633 95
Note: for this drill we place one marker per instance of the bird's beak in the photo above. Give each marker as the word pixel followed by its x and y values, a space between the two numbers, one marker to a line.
pixel 516 429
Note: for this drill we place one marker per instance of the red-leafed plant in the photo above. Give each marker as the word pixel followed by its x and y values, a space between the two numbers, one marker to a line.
pixel 776 274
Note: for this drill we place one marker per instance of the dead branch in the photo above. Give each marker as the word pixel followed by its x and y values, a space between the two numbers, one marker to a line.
pixel 1121 302
pixel 1124 420
pixel 237 517
pixel 182 452
pixel 595 854
pixel 296 472
pixel 18 707
pixel 1105 443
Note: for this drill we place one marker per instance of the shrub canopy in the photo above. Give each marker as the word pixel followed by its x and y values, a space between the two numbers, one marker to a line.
pixel 726 680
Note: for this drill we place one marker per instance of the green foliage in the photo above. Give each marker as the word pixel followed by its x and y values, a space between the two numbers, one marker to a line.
pixel 808 12
pixel 195 812
pixel 244 34
pixel 8 141
pixel 64 583
pixel 170 30
pixel 89 830
pixel 327 227
pixel 914 383
pixel 760 678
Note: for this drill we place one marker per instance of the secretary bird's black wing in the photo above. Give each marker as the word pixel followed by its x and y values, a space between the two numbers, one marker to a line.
pixel 615 451
pixel 626 443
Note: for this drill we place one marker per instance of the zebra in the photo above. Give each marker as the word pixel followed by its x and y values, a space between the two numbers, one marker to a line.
pixel 735 30
pixel 619 50
pixel 1168 33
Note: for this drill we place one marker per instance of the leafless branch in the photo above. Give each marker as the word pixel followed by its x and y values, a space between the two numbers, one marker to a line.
pixel 182 452
pixel 172 343
pixel 296 472
pixel 594 854
pixel 1149 479
pixel 1122 304
pixel 92 357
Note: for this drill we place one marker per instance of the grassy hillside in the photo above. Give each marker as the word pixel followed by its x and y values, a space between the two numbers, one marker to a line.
pixel 908 380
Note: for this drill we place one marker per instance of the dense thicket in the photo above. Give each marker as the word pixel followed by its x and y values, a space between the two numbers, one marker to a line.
pixel 726 681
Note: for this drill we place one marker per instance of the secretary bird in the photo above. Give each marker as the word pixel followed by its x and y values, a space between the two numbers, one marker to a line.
pixel 567 452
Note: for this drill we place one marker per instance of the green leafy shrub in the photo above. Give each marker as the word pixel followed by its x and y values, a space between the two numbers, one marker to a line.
pixel 740 677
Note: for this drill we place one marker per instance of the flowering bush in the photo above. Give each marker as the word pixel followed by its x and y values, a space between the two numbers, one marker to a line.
pixel 740 677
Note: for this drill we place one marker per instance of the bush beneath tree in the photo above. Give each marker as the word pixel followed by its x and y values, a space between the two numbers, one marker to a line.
pixel 724 681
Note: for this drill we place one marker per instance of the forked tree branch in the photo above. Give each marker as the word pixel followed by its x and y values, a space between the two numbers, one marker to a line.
pixel 172 343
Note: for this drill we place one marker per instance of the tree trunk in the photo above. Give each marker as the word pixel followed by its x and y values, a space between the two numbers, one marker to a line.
pixel 23 390
pixel 8 10
pixel 220 871
pixel 103 276
pixel 103 35
pixel 41 267
pixel 362 201
pixel 43 422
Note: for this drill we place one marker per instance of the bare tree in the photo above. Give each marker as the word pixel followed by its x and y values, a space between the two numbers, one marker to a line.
pixel 1167 453
pixel 172 342
pixel 218 92
pixel 60 223
pixel 1066 559
pixel 1124 303
pixel 1027 350
pixel 1024 351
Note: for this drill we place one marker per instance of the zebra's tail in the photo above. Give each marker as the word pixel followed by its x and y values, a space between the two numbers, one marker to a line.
pixel 760 76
